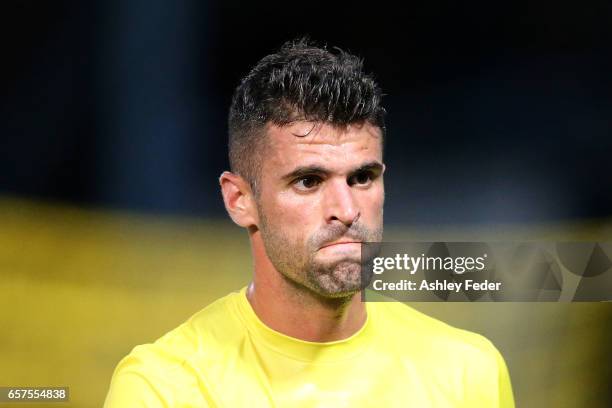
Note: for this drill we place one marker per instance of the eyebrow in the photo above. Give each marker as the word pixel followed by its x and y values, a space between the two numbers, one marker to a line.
pixel 374 166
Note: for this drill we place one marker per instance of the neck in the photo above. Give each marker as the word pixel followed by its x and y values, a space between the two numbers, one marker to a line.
pixel 296 311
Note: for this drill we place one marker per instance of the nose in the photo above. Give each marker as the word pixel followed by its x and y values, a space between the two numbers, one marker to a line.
pixel 340 203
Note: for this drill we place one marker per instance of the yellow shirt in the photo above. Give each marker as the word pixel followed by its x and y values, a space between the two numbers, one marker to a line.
pixel 224 356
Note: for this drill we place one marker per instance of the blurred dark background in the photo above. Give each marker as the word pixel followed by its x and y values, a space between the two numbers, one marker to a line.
pixel 498 111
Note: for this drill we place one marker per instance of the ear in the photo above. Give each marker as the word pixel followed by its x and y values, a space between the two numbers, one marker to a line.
pixel 238 199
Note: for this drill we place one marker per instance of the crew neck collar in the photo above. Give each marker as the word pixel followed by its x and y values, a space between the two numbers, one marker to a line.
pixel 303 350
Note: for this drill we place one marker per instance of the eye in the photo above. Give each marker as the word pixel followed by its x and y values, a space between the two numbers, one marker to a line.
pixel 363 178
pixel 307 183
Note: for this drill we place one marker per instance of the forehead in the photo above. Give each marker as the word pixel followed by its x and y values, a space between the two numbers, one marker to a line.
pixel 307 143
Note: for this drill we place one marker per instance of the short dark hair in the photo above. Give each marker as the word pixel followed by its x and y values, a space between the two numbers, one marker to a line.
pixel 299 82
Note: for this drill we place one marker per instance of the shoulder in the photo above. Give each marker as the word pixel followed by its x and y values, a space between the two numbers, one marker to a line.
pixel 211 328
pixel 157 369
pixel 414 329
pixel 466 360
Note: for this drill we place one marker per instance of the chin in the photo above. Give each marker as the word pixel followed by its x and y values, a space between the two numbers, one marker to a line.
pixel 341 280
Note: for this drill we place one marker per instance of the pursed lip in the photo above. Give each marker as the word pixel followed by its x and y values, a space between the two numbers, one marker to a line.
pixel 340 243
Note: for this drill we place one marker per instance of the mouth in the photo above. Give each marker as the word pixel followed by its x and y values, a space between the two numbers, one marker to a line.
pixel 340 244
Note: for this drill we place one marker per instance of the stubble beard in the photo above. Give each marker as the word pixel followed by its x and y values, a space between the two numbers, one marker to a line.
pixel 297 262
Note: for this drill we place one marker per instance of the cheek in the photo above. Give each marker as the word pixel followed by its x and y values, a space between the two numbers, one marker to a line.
pixel 374 199
pixel 296 216
pixel 299 209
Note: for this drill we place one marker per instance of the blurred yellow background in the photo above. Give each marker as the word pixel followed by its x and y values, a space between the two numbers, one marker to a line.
pixel 80 288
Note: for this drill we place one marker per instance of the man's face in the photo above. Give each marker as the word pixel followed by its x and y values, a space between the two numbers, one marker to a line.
pixel 321 192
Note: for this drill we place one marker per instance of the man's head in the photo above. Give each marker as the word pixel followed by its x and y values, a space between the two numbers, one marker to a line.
pixel 306 128
pixel 299 82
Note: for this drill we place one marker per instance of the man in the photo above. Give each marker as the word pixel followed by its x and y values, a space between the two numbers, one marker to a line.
pixel 306 128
